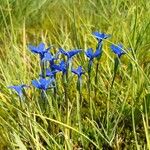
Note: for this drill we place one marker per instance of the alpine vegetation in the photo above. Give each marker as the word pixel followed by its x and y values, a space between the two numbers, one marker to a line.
pixel 52 64
pixel 65 87
pixel 74 75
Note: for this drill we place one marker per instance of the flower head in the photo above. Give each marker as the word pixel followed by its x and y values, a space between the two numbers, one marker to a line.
pixel 91 55
pixel 50 73
pixel 117 49
pixel 40 49
pixel 18 89
pixel 42 83
pixel 61 67
pixel 48 57
pixel 70 53
pixel 100 36
pixel 79 71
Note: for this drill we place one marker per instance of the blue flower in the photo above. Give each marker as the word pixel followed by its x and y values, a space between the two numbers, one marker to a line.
pixel 118 50
pixel 18 89
pixel 40 49
pixel 100 36
pixel 70 53
pixel 61 67
pixel 48 57
pixel 91 55
pixel 43 83
pixel 50 73
pixel 79 71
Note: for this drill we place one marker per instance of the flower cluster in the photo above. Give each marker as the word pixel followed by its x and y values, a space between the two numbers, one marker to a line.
pixel 48 74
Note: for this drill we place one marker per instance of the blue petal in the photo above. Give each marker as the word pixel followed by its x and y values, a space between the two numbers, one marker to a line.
pixel 73 52
pixel 33 49
pixel 100 36
pixel 62 63
pixel 75 71
pixel 49 82
pixel 36 83
pixel 97 53
pixel 89 53
pixel 62 51
pixel 42 81
pixel 47 57
pixel 117 49
pixel 57 67
pixel 41 47
pixel 63 66
pixel 18 88
pixel 78 71
pixel 50 73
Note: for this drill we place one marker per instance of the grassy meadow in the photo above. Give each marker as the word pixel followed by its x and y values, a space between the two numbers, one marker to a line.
pixel 110 117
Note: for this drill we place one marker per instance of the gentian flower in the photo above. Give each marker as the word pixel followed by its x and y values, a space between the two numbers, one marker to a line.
pixel 18 89
pixel 100 36
pixel 43 83
pixel 40 49
pixel 61 67
pixel 70 53
pixel 118 50
pixel 50 73
pixel 48 57
pixel 91 55
pixel 79 71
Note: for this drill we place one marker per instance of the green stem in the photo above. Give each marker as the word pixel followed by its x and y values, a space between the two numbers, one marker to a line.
pixel 89 88
pixel 67 131
pixel 79 99
pixel 96 79
pixel 115 70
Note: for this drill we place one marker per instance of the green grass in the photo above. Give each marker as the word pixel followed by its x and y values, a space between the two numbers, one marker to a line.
pixel 120 118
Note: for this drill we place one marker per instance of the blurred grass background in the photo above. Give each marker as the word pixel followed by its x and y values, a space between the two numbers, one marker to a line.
pixel 69 24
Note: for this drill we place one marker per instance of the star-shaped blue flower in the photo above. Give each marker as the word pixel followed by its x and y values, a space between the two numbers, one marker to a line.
pixel 91 55
pixel 40 49
pixel 48 57
pixel 61 67
pixel 50 73
pixel 18 89
pixel 70 53
pixel 100 36
pixel 43 83
pixel 118 50
pixel 79 71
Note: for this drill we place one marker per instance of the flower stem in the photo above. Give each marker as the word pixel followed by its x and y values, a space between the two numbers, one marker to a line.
pixel 67 131
pixel 20 100
pixel 99 47
pixel 78 100
pixel 96 79
pixel 89 88
pixel 115 71
pixel 43 101
pixel 42 68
